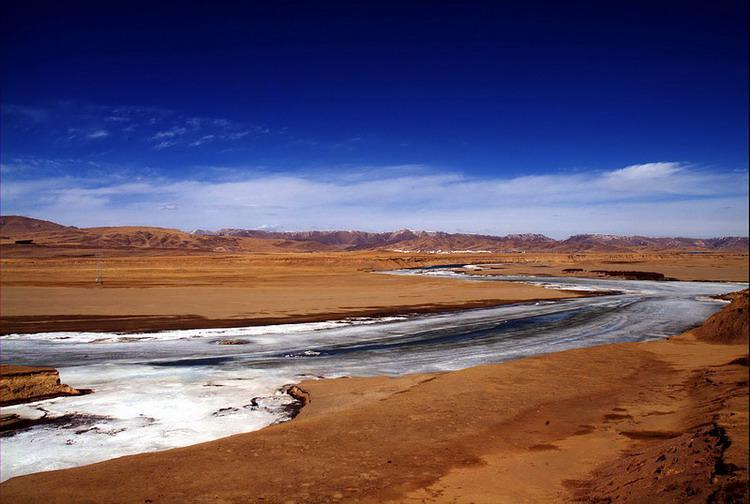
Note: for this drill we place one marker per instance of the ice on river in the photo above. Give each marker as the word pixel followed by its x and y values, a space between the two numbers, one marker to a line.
pixel 155 391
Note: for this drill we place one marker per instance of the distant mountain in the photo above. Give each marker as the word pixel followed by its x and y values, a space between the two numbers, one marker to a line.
pixel 427 241
pixel 617 243
pixel 16 224
pixel 50 234
pixel 42 232
pixel 348 240
pixel 403 240
pixel 436 242
pixel 728 243
pixel 47 233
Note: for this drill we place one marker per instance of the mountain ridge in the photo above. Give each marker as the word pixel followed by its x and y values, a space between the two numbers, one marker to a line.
pixel 14 227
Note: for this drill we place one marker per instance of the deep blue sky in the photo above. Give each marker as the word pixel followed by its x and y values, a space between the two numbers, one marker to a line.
pixel 168 92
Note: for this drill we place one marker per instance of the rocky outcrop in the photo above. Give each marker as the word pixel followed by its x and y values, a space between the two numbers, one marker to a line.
pixel 730 325
pixel 20 384
pixel 301 399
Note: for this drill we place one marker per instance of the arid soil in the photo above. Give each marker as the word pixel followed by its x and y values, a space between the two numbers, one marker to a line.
pixel 155 278
pixel 729 325
pixel 45 289
pixel 162 292
pixel 19 384
pixel 647 422
pixel 619 423
pixel 678 266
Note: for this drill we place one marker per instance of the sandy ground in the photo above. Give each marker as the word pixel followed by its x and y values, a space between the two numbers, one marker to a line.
pixel 21 384
pixel 118 309
pixel 701 267
pixel 265 296
pixel 151 290
pixel 646 422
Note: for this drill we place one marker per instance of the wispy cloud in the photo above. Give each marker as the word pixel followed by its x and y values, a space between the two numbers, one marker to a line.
pixel 202 140
pixel 651 198
pixel 25 112
pixel 170 133
pixel 164 144
pixel 156 128
pixel 101 133
pixel 198 131
pixel 646 171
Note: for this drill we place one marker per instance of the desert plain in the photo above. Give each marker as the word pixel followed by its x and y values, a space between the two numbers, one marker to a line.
pixel 662 421
pixel 56 289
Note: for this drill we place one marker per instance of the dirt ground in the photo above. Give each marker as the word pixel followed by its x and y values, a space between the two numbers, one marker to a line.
pixel 55 289
pixel 647 422
pixel 579 426
pixel 148 293
pixel 680 266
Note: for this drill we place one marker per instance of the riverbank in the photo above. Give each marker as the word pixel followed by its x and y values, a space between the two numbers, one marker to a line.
pixel 581 424
pixel 21 384
pixel 515 293
pixel 188 292
pixel 198 290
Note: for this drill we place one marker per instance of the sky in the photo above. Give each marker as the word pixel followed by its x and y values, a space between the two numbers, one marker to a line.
pixel 491 117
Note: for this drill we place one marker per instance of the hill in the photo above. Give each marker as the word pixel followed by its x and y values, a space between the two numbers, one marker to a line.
pixel 730 325
pixel 49 234
pixel 617 243
pixel 46 233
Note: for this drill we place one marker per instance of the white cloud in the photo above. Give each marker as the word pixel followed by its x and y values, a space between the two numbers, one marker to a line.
pixel 675 200
pixel 202 140
pixel 170 133
pixel 83 122
pixel 646 171
pixel 238 135
pixel 102 133
pixel 164 144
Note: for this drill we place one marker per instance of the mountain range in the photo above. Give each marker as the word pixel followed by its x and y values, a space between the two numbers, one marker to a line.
pixel 45 233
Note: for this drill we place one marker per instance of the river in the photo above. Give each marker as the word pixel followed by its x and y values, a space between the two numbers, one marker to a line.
pixel 155 391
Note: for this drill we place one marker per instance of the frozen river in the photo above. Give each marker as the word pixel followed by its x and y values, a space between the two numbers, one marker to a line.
pixel 161 390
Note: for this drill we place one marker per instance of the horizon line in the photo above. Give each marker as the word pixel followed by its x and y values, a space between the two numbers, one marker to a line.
pixel 334 230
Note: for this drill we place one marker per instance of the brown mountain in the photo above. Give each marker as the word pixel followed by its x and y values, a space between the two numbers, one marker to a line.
pixel 617 243
pixel 433 242
pixel 403 240
pixel 47 233
pixel 349 240
pixel 426 241
pixel 16 225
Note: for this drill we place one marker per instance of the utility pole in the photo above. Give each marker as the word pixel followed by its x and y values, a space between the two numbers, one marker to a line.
pixel 99 278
